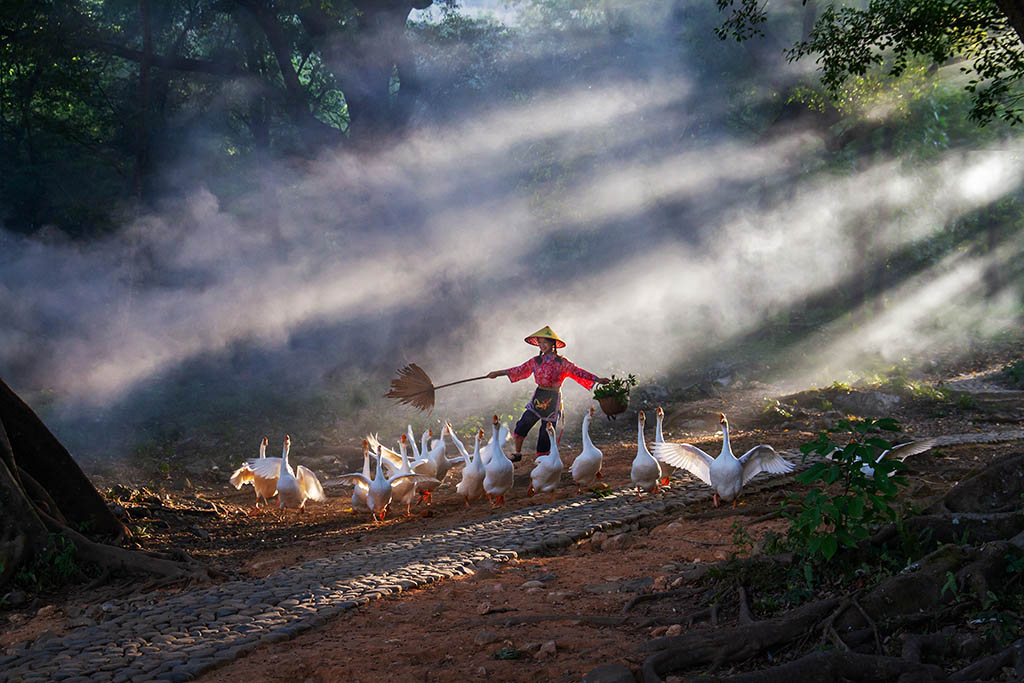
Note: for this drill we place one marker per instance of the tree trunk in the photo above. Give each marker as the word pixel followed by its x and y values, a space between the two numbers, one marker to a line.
pixel 21 530
pixel 35 451
pixel 43 491
pixel 1014 11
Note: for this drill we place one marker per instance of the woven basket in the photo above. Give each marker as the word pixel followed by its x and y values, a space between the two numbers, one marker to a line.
pixel 611 405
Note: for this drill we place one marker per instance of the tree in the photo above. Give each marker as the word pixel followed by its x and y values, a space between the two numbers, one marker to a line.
pixel 114 91
pixel 848 41
pixel 43 492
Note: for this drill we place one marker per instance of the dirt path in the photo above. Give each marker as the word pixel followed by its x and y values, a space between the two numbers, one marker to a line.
pixel 553 618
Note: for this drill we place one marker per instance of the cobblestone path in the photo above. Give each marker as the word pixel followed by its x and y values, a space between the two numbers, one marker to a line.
pixel 178 637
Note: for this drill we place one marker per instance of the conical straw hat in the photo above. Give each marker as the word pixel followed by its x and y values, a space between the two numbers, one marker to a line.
pixel 545 333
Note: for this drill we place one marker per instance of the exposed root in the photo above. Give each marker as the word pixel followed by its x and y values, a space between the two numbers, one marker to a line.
pixel 732 644
pixel 114 558
pixel 745 617
pixel 650 597
pixel 986 668
pixel 837 665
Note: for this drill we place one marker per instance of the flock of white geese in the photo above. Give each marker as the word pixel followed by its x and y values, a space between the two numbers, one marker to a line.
pixel 391 479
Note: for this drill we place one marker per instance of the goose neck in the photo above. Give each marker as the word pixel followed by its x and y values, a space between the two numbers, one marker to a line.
pixel 587 443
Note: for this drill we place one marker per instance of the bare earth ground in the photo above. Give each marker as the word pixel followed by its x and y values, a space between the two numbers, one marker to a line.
pixel 460 629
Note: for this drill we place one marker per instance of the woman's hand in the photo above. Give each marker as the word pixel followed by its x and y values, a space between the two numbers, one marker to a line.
pixel 603 380
pixel 495 373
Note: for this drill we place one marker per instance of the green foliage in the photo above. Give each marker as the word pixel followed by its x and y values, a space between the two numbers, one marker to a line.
pixel 772 406
pixel 825 519
pixel 894 35
pixel 618 387
pixel 741 538
pixel 55 566
pixel 1015 372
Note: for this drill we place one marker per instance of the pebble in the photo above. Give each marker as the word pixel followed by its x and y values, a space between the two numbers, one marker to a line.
pixel 179 637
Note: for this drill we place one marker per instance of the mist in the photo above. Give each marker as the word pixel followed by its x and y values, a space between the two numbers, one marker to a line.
pixel 613 201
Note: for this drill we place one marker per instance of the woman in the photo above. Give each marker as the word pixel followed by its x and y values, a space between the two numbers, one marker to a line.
pixel 549 370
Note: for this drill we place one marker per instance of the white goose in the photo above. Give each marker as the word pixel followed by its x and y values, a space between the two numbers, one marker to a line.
pixel 900 452
pixel 464 454
pixel 359 503
pixel 404 491
pixel 422 464
pixel 379 489
pixel 646 470
pixel 472 485
pixel 659 437
pixel 586 468
pixel 294 490
pixel 726 474
pixel 264 487
pixel 437 455
pixel 547 472
pixel 499 472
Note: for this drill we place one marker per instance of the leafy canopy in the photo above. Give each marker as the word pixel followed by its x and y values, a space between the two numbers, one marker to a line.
pixel 849 41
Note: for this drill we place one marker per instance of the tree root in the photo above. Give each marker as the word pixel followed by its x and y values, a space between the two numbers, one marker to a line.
pixel 838 665
pixel 650 597
pixel 986 668
pixel 745 617
pixel 731 644
pixel 114 558
pixel 954 527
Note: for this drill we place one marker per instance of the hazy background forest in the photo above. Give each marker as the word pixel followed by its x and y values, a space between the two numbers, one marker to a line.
pixel 226 219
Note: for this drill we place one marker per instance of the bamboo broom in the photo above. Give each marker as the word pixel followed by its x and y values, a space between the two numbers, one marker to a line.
pixel 413 387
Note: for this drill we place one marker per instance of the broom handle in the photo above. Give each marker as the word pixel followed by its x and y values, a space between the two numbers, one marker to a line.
pixel 461 381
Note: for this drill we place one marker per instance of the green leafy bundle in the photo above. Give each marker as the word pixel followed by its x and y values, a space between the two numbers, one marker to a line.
pixel 618 387
pixel 824 519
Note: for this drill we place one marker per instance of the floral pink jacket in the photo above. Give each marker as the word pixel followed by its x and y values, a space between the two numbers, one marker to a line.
pixel 551 371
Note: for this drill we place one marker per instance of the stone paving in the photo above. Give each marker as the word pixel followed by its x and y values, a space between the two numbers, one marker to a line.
pixel 177 637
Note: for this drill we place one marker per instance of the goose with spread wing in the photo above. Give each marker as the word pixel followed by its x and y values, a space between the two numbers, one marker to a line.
pixel 379 489
pixel 900 452
pixel 726 474
pixel 265 487
pixel 293 490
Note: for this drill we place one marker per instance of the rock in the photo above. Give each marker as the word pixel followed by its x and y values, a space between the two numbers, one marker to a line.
pixel 610 673
pixel 602 587
pixel 696 572
pixel 558 596
pixel 17 619
pixel 484 573
pixel 496 588
pixel 674 630
pixel 532 584
pixel 547 650
pixel 483 608
pixel 658 631
pixel 618 542
pixel 867 404
pixel 654 393
pixel 486 638
pixel 16 598
pixel 47 611
pixel 598 537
